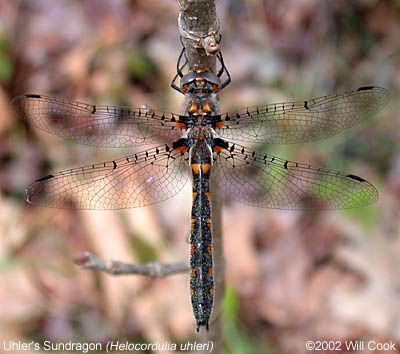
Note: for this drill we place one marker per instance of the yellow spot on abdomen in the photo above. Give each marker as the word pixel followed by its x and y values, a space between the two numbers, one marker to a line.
pixel 205 167
pixel 195 168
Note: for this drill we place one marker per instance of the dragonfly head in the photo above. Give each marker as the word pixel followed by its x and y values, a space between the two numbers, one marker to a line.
pixel 200 80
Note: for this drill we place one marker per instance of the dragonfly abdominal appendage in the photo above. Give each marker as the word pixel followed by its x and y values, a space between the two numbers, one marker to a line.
pixel 195 143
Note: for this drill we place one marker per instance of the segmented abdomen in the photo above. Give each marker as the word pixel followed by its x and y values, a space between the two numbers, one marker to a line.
pixel 201 263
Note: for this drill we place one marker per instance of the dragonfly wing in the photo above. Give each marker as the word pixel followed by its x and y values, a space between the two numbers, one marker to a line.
pixel 142 179
pixel 270 182
pixel 297 122
pixel 107 126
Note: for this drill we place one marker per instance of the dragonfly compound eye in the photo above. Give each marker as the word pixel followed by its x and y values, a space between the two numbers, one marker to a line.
pixel 213 79
pixel 187 80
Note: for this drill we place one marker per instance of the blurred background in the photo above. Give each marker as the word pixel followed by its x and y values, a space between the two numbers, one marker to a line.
pixel 291 276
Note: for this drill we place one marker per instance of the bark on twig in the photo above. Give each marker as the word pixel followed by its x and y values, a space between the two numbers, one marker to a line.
pixel 151 269
pixel 199 29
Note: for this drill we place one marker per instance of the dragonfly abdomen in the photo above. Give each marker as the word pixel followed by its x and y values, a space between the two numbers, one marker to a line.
pixel 201 263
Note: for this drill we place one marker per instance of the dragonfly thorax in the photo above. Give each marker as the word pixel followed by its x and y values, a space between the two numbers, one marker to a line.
pixel 200 107
pixel 200 134
pixel 198 141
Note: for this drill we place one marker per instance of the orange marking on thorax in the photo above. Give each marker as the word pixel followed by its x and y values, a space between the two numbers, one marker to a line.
pixel 191 250
pixel 212 291
pixel 194 195
pixel 181 125
pixel 210 271
pixel 192 272
pixel 219 124
pixel 206 107
pixel 193 108
pixel 207 194
pixel 191 292
pixel 218 148
pixel 209 248
pixel 182 148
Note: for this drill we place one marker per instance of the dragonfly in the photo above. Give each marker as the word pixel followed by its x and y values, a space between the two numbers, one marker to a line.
pixel 196 143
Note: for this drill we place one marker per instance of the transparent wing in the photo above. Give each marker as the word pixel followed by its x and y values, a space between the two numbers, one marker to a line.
pixel 145 178
pixel 107 126
pixel 297 122
pixel 270 182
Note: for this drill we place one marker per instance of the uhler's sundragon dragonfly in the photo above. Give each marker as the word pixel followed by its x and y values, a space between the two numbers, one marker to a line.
pixel 202 140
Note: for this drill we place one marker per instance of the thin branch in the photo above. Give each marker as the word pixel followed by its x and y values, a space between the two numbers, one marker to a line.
pixel 151 269
pixel 199 29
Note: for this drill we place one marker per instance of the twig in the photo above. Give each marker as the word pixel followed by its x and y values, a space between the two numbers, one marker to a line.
pixel 199 29
pixel 151 269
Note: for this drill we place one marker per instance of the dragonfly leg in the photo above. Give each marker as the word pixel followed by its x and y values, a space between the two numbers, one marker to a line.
pixel 179 68
pixel 222 70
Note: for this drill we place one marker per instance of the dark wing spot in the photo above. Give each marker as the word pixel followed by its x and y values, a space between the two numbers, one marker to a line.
pixel 221 143
pixel 365 88
pixel 32 96
pixel 356 178
pixel 44 178
pixel 306 105
pixel 115 165
pixel 285 165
